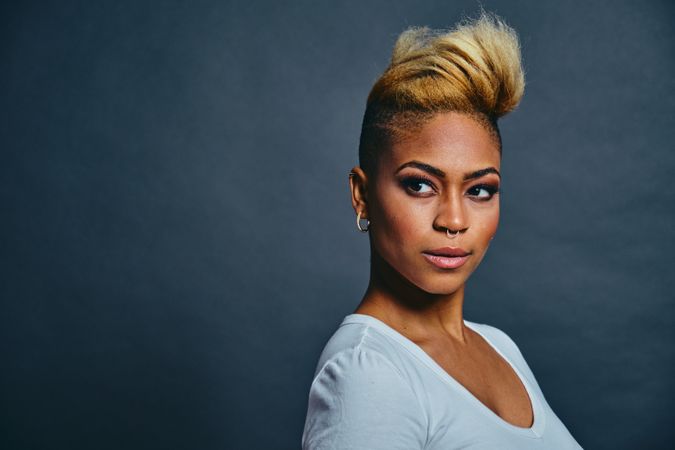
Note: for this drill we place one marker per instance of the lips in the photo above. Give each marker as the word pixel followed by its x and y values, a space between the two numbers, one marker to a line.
pixel 448 251
pixel 447 257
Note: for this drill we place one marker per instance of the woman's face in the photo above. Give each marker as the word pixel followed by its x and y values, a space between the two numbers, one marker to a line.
pixel 444 177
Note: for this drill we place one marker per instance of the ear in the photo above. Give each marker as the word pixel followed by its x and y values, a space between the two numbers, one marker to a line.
pixel 358 184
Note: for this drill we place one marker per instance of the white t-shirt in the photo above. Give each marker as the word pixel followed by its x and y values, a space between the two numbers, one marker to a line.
pixel 376 389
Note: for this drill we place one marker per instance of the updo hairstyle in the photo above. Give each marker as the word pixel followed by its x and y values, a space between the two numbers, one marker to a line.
pixel 474 69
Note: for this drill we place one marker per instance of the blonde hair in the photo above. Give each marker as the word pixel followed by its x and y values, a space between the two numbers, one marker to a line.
pixel 474 68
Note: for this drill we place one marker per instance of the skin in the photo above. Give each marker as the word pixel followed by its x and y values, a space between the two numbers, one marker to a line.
pixel 409 216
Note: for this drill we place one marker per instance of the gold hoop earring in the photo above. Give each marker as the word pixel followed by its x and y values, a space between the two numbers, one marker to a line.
pixel 358 223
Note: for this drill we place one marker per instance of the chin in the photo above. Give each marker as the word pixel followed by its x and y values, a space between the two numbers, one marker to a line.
pixel 439 283
pixel 441 288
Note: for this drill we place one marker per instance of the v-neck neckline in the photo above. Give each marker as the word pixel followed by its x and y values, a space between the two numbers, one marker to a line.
pixel 539 419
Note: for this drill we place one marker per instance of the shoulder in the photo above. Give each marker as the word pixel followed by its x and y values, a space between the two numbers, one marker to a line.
pixel 507 346
pixel 359 399
pixel 500 340
pixel 358 367
pixel 356 358
pixel 357 343
pixel 496 336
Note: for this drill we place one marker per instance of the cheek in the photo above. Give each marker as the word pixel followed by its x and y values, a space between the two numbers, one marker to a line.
pixel 486 222
pixel 399 220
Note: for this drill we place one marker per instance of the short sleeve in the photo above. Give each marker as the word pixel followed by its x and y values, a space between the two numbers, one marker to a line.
pixel 359 400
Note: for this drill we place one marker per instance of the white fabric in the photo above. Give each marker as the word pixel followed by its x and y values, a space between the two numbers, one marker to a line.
pixel 376 389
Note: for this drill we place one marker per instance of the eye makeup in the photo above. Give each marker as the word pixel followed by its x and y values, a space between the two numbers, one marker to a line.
pixel 490 188
pixel 410 184
pixel 414 184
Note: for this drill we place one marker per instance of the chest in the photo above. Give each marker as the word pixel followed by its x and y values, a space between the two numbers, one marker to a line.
pixel 487 376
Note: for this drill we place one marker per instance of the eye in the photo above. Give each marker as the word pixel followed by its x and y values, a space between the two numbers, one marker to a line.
pixel 484 192
pixel 418 185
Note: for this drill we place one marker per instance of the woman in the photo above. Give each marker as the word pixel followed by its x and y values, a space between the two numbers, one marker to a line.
pixel 405 370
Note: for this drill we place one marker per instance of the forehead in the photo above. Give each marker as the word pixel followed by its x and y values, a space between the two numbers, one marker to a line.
pixel 453 142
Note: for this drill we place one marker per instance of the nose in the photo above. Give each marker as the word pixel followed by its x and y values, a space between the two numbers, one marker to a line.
pixel 451 215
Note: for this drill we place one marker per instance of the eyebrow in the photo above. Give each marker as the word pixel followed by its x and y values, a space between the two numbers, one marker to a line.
pixel 440 174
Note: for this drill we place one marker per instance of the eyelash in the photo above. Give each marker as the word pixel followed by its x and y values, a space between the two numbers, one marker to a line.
pixel 491 189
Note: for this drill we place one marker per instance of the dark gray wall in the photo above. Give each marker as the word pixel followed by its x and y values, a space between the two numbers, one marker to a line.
pixel 178 242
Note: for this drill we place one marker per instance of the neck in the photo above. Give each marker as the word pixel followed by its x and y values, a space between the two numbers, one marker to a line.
pixel 405 307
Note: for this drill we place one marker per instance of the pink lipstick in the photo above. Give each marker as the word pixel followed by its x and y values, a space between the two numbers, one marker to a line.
pixel 447 257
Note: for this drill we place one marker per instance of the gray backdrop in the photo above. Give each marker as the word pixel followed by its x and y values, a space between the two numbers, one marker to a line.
pixel 178 242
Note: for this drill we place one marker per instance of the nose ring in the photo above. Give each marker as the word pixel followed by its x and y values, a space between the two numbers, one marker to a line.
pixel 454 235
